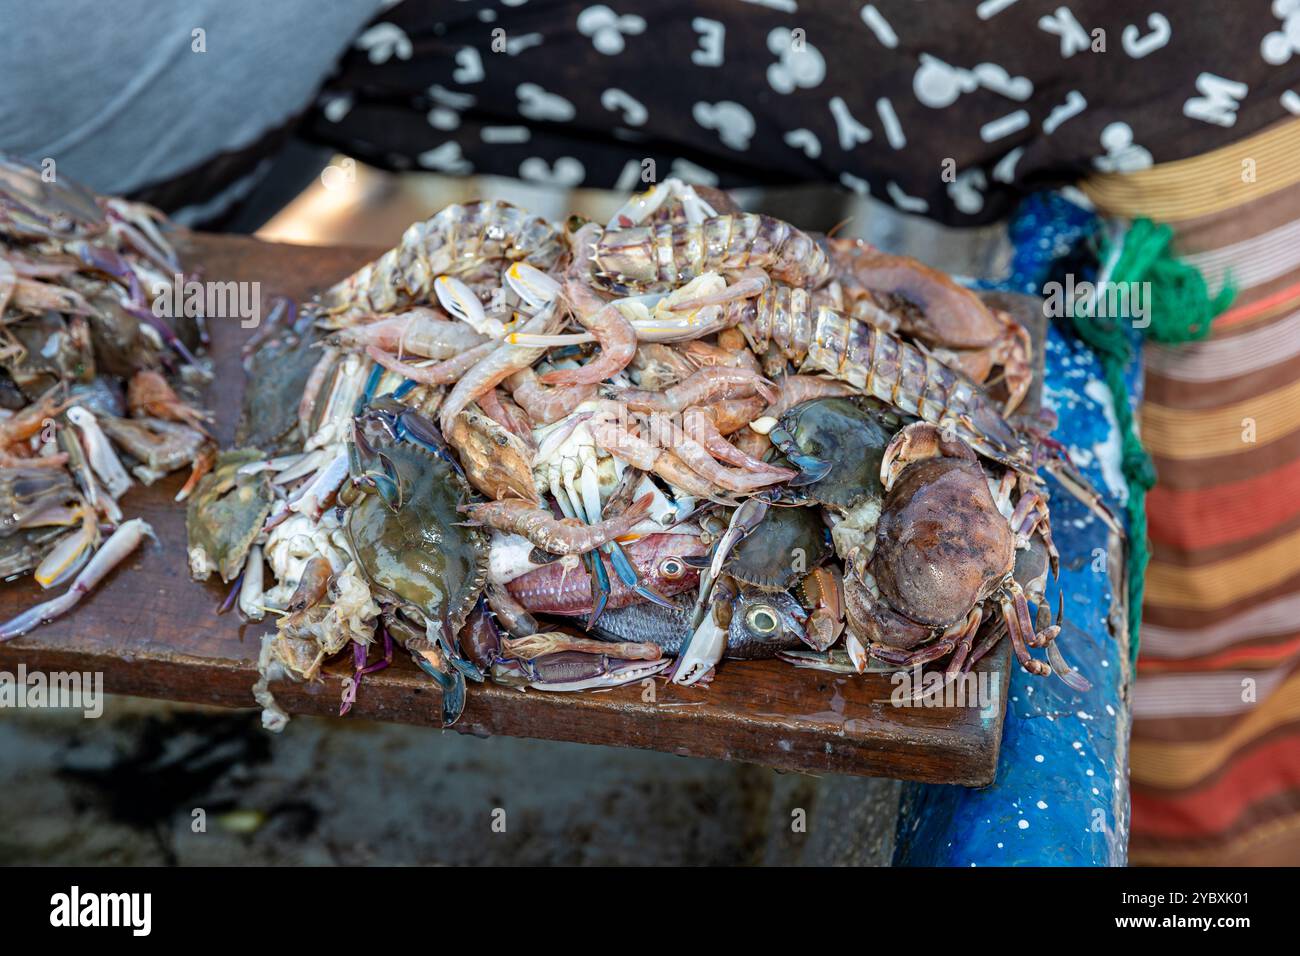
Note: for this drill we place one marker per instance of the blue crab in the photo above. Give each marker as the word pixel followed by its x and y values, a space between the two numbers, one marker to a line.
pixel 424 565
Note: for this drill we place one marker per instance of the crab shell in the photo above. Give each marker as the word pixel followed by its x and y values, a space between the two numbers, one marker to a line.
pixel 421 555
pixel 226 514
pixel 36 207
pixel 788 544
pixel 279 374
pixel 850 437
pixel 942 545
pixel 495 460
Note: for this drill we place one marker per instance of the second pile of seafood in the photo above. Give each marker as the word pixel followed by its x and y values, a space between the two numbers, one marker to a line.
pixel 566 457
pixel 90 364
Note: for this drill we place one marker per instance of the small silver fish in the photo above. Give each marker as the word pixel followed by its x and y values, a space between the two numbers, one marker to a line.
pixel 762 624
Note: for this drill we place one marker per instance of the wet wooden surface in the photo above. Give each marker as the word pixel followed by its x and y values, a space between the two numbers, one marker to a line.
pixel 154 633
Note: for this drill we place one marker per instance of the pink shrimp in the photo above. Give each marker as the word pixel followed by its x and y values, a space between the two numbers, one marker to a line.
pixel 31 420
pixel 701 387
pixel 556 535
pixel 797 389
pixel 613 436
pixel 732 414
pixel 443 373
pixel 546 405
pixel 698 458
pixel 704 355
pixel 699 424
pixel 418 331
pixel 503 362
pixel 612 331
pixel 617 339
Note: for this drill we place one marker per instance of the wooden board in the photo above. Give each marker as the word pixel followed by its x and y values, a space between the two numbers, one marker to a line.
pixel 154 633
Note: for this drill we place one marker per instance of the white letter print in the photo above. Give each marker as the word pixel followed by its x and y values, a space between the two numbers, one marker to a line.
pixel 634 113
pixel 712 37
pixel 1218 101
pixel 851 132
pixel 1138 46
pixel 1074 38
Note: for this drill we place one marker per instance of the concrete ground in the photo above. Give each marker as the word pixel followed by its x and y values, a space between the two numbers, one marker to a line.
pixel 153 783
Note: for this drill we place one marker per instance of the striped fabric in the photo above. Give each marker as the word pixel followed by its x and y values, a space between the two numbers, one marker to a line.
pixel 1215 762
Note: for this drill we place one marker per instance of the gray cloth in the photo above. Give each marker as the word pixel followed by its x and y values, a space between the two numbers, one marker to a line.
pixel 116 94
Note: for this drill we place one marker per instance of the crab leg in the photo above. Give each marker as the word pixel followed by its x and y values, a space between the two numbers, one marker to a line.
pixel 123 541
pixel 965 638
pixel 1019 627
pixel 1060 666
pixel 743 522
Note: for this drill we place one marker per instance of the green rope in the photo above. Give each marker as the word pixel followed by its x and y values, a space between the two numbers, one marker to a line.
pixel 1179 309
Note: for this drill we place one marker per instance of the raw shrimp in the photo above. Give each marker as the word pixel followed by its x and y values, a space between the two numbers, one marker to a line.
pixel 556 535
pixel 544 404
pixel 414 332
pixel 703 386
pixel 503 362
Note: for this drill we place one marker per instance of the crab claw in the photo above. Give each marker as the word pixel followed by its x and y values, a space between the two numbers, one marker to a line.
pixel 744 520
pixel 449 644
pixel 627 574
pixel 857 653
pixel 451 681
pixel 811 468
pixel 599 587
pixel 386 486
pixel 1060 667
pixel 706 645
pixel 460 301
pixel 838 660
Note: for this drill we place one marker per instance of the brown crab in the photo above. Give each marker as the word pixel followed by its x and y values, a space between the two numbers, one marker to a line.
pixel 946 544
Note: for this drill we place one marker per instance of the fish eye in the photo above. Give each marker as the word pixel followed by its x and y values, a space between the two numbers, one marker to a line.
pixel 762 620
pixel 671 568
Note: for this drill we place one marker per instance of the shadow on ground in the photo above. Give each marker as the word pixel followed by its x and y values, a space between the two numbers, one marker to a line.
pixel 153 783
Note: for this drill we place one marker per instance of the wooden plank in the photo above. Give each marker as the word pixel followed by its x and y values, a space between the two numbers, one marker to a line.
pixel 154 633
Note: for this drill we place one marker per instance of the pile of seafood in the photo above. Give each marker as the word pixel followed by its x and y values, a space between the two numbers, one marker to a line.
pixel 566 457
pixel 88 366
